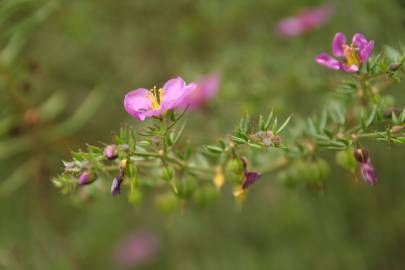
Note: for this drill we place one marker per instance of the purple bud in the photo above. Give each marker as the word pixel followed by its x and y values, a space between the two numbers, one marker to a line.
pixel 250 178
pixel 361 155
pixel 110 152
pixel 86 178
pixel 393 110
pixel 366 166
pixel 116 185
pixel 368 172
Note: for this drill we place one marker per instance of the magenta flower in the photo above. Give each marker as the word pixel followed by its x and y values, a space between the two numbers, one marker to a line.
pixel 135 250
pixel 352 56
pixel 142 103
pixel 206 89
pixel 366 166
pixel 305 21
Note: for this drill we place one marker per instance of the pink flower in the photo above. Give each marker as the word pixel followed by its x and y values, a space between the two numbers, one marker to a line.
pixel 206 89
pixel 136 249
pixel 305 21
pixel 353 56
pixel 142 103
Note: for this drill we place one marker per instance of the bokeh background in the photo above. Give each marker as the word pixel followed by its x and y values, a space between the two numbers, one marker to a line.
pixel 83 56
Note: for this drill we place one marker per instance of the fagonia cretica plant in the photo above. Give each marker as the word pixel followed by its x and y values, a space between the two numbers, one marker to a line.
pixel 157 160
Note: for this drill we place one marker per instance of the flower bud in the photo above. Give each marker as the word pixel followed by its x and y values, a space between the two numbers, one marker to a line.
pixel 219 178
pixel 361 155
pixel 186 188
pixel 86 178
pixel 167 202
pixel 393 110
pixel 205 196
pixel 394 67
pixel 116 185
pixel 110 152
pixel 346 159
pixel 397 129
pixel 235 166
pixel 167 173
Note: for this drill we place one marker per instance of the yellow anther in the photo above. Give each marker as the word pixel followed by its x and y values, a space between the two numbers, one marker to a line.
pixel 352 57
pixel 155 96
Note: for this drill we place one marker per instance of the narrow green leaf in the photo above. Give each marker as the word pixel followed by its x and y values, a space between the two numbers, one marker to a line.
pixel 284 125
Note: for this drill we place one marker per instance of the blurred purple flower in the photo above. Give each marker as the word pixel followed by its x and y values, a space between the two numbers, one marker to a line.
pixel 206 89
pixel 366 166
pixel 305 21
pixel 136 249
pixel 86 178
pixel 142 103
pixel 353 55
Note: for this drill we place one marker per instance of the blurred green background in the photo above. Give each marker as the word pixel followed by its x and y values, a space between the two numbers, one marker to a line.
pixel 78 47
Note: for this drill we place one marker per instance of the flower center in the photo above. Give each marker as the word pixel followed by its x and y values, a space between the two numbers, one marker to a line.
pixel 155 96
pixel 351 55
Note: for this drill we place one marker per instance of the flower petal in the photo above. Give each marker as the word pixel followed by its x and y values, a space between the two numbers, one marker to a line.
pixel 352 69
pixel 173 86
pixel 328 61
pixel 187 96
pixel 136 103
pixel 366 52
pixel 337 44
pixel 173 92
pixel 368 173
pixel 359 40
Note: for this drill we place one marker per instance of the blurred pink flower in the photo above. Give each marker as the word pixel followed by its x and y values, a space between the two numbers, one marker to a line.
pixel 206 89
pixel 136 249
pixel 305 21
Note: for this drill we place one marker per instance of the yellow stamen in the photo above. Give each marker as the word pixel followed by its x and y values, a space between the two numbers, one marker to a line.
pixel 352 57
pixel 155 96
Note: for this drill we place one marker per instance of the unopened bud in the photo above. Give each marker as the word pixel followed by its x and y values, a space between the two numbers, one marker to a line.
pixel 167 173
pixel 394 67
pixel 111 152
pixel 397 129
pixel 388 113
pixel 116 185
pixel 361 155
pixel 235 166
pixel 219 178
pixel 86 178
